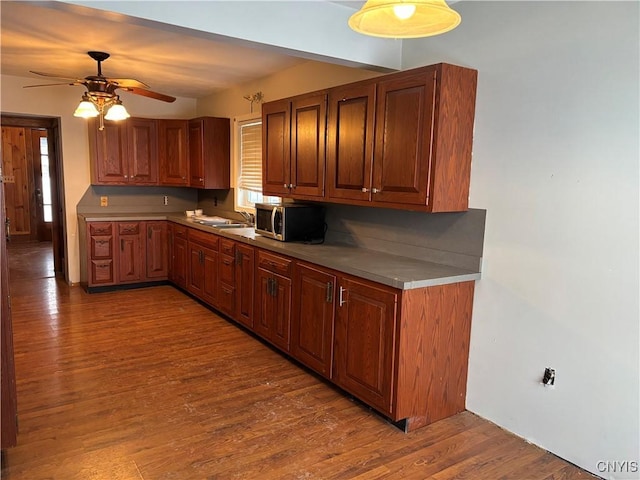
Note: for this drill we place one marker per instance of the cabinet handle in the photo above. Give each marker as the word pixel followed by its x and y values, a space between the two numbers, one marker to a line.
pixel 275 287
pixel 227 261
pixel 200 259
pixel 376 190
pixel 122 245
pixel 286 186
pixel 238 258
pixel 341 300
pixel 291 185
pixel 149 233
pixel 365 190
pixel 102 242
pixel 329 292
pixel 102 265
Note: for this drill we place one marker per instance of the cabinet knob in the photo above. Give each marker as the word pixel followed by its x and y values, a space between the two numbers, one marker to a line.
pixel 365 190
pixel 286 186
pixel 375 190
pixel 291 185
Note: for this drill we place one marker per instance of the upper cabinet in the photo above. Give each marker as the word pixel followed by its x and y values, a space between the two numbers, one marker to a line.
pixel 173 138
pixel 397 141
pixel 209 153
pixel 293 159
pixel 149 151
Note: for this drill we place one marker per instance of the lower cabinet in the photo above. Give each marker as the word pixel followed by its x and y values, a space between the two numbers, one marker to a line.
pixel 119 253
pixel 245 275
pixel 364 341
pixel 178 255
pixel 312 321
pixel 202 262
pixel 227 277
pixel 273 299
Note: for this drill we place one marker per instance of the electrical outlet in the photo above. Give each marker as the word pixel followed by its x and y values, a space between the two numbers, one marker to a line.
pixel 104 201
pixel 165 200
pixel 549 377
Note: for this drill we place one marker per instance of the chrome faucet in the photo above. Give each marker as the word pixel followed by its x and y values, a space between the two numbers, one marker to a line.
pixel 250 218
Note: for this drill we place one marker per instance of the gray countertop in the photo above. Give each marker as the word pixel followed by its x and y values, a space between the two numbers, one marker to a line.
pixel 392 270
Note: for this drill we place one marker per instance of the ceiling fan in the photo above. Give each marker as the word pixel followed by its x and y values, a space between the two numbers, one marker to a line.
pixel 101 99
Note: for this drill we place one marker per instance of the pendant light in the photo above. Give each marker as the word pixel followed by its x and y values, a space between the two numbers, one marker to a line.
pixel 404 18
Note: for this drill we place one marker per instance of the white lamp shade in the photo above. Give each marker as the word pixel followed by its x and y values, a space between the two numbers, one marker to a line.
pixel 86 109
pixel 117 112
pixel 395 19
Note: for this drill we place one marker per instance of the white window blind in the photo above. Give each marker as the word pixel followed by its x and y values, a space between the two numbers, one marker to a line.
pixel 251 156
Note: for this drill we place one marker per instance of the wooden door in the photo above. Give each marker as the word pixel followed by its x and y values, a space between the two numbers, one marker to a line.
pixel 365 341
pixel 312 318
pixel 173 150
pixel 244 284
pixel 8 406
pixel 350 135
pixel 17 167
pixel 404 135
pixel 130 247
pixel 142 139
pixel 308 127
pixel 108 153
pixel 273 316
pixel 157 267
pixel 179 259
pixel 276 153
pixel 196 159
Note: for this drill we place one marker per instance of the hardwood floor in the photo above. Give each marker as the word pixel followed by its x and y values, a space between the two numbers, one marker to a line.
pixel 149 384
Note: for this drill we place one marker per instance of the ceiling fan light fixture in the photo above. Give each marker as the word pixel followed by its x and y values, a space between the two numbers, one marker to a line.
pixel 117 112
pixel 86 109
pixel 404 18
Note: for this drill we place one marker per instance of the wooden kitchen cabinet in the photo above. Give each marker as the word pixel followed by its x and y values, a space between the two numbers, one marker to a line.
pixel 365 341
pixel 245 275
pixel 294 146
pixel 312 320
pixel 124 153
pixel 130 244
pixel 178 256
pixel 209 153
pixel 100 267
pixel 157 250
pixel 173 151
pixel 227 277
pixel 273 299
pixel 202 259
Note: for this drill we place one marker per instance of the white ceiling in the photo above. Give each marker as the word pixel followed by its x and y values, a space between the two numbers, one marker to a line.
pixel 51 37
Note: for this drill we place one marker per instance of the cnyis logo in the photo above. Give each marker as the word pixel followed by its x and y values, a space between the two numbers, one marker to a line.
pixel 624 466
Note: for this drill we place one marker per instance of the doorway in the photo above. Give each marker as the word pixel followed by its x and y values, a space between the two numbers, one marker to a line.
pixel 33 183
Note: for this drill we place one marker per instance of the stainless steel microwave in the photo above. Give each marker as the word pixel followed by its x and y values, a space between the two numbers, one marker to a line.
pixel 290 222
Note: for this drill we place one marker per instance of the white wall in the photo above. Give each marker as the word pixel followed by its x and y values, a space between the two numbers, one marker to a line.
pixel 556 165
pixel 61 102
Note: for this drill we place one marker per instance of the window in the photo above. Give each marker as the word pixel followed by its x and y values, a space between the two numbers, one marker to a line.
pixel 249 165
pixel 46 181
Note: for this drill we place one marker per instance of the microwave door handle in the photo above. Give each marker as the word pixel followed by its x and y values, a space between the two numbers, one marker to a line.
pixel 273 221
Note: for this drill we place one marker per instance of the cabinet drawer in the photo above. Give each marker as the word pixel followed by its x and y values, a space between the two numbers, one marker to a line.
pixel 101 272
pixel 179 231
pixel 206 239
pixel 227 247
pixel 275 263
pixel 227 269
pixel 128 228
pixel 101 247
pixel 101 228
pixel 226 298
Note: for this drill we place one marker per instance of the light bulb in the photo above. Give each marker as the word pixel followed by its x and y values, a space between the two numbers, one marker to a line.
pixel 117 112
pixel 86 109
pixel 404 11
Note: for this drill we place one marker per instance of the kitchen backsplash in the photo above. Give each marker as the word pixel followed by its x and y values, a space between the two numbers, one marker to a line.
pixel 123 199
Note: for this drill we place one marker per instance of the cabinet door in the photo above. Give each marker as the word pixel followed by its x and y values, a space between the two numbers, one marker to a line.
pixel 209 152
pixel 173 152
pixel 179 258
pixel 404 134
pixel 312 318
pixel 203 272
pixel 142 140
pixel 130 252
pixel 365 340
pixel 350 142
pixel 308 126
pixel 276 154
pixel 109 153
pixel 226 284
pixel 157 267
pixel 244 284
pixel 273 305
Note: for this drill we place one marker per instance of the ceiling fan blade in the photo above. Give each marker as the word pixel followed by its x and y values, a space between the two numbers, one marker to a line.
pixel 148 93
pixel 42 74
pixel 128 83
pixel 54 84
